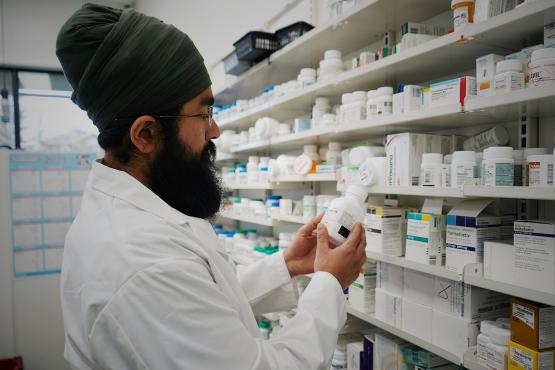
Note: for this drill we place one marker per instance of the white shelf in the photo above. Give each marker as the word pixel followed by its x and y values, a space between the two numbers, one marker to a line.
pixel 440 271
pixel 473 275
pixel 292 219
pixel 443 56
pixel 406 336
pixel 285 182
pixel 222 157
pixel 514 192
pixel 235 186
pixel 316 177
pixel 259 145
pixel 243 218
pixel 353 30
pixel 471 362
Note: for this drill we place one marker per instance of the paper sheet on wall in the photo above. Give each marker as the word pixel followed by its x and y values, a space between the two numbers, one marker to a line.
pixel 27 208
pixel 25 181
pixel 53 258
pixel 30 261
pixel 56 207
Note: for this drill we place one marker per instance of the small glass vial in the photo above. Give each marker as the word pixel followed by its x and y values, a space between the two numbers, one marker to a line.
pixel 509 76
pixel 344 212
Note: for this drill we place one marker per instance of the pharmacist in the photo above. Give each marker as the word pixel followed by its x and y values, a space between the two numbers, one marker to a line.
pixel 143 286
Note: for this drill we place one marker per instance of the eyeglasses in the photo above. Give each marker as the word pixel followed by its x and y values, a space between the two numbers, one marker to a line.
pixel 208 117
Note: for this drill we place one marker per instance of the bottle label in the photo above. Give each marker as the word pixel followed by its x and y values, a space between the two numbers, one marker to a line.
pixel 498 174
pixel 338 221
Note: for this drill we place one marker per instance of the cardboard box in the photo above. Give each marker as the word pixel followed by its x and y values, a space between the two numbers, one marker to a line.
pixel 388 353
pixel 453 334
pixel 418 287
pixel 467 302
pixel 549 35
pixel 454 91
pixel 423 359
pixel 383 227
pixel 417 320
pixel 485 72
pixel 532 324
pixel 467 229
pixel 425 242
pixel 422 28
pixel 390 278
pixel 389 308
pixel 523 358
pixel 498 260
pixel 534 254
pixel 354 354
pixel 404 155
pixel 361 291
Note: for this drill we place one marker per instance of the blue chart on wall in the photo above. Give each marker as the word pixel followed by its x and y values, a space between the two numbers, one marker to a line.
pixel 45 196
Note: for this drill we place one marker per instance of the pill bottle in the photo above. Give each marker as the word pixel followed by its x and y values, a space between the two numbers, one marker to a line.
pixel 264 328
pixel 527 153
pixel 430 169
pixel 540 170
pixel 329 119
pixel 344 212
pixel 307 162
pixel 357 108
pixel 230 176
pixel 385 101
pixel 333 155
pixel 241 174
pixel 358 154
pixel 332 54
pixel 508 76
pixel 463 13
pixel 372 104
pixel 323 202
pixel 464 169
pixel 252 169
pixel 542 68
pixel 270 201
pixel 412 98
pixel 483 339
pixel 263 168
pixel 285 207
pixel 498 166
pixel 497 348
pixel 307 77
pixel 495 136
pixel 284 129
pixel 309 207
pixel 447 159
pixel 266 127
pixel 518 159
pixel 319 109
pixel 372 171
pixel 346 100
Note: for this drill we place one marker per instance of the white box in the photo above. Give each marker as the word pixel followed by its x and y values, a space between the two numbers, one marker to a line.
pixel 498 260
pixel 549 35
pixel 457 90
pixel 354 350
pixel 398 103
pixel 417 320
pixel 467 229
pixel 525 55
pixel 390 278
pixel 384 230
pixel 534 255
pixel 389 308
pixel 485 72
pixel 361 291
pixel 388 352
pixel 470 303
pixel 425 242
pixel 419 287
pixel 453 334
pixel 422 28
pixel 404 155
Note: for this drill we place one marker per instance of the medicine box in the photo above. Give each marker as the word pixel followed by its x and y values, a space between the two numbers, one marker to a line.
pixel 525 56
pixel 498 260
pixel 549 35
pixel 422 28
pixel 534 254
pixel 418 287
pixel 423 359
pixel 404 155
pixel 453 334
pixel 467 229
pixel 354 355
pixel 362 291
pixel 485 72
pixel 389 308
pixel 390 278
pixel 388 352
pixel 467 302
pixel 532 324
pixel 417 320
pixel 523 358
pixel 425 242
pixel 454 91
pixel 383 227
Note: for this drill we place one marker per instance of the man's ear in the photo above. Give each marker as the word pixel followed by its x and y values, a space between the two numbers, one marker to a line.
pixel 144 134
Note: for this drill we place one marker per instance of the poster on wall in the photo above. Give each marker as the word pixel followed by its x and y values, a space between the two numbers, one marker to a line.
pixel 45 192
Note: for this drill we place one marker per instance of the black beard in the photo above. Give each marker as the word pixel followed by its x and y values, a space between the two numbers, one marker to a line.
pixel 187 182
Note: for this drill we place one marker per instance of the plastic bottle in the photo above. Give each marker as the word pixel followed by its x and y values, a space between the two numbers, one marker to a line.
pixel 252 169
pixel 307 162
pixel 497 348
pixel 498 166
pixel 540 170
pixel 529 152
pixel 542 68
pixel 463 13
pixel 358 154
pixel 272 201
pixel 241 174
pixel 346 100
pixel 333 156
pixel 463 168
pixel 495 136
pixel 357 108
pixel 430 169
pixel 384 101
pixel 344 212
pixel 372 171
pixel 518 161
pixel 309 206
pixel 307 77
pixel 320 108
pixel 372 104
pixel 264 327
pixel 284 129
pixel 483 339
pixel 508 76
pixel 263 170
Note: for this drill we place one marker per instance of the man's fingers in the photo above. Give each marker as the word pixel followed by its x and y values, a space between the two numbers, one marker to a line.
pixel 322 237
pixel 309 228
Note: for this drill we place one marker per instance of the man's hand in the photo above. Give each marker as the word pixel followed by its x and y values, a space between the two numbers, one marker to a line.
pixel 299 257
pixel 346 260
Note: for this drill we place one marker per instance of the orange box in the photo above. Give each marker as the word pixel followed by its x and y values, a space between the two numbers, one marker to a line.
pixel 532 324
pixel 523 358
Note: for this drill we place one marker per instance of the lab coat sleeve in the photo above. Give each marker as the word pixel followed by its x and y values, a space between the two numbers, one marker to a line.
pixel 268 285
pixel 174 316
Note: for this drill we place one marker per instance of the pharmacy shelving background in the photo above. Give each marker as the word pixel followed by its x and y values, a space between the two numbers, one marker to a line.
pixel 448 56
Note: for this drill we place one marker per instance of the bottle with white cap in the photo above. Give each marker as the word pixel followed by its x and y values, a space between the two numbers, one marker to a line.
pixel 464 169
pixel 527 153
pixel 263 168
pixel 372 104
pixel 498 166
pixel 307 162
pixel 430 169
pixel 252 169
pixel 344 212
pixel 497 348
pixel 509 76
pixel 346 100
pixel 333 155
pixel 320 108
pixel 385 101
pixel 484 339
pixel 357 108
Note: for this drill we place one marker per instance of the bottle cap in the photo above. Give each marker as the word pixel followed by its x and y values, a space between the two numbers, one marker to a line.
pixel 372 94
pixel 432 158
pixel 332 54
pixel 509 65
pixel 464 156
pixel 358 191
pixel 487 325
pixel 359 96
pixel 303 164
pixel 500 336
pixel 321 101
pixel 385 90
pixel 535 151
pixel 498 152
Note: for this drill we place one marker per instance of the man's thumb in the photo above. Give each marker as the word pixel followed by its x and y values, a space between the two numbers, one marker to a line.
pixel 322 241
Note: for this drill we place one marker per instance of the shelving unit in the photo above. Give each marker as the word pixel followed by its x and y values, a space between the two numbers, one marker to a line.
pixel 291 219
pixel 471 362
pixel 284 182
pixel 245 218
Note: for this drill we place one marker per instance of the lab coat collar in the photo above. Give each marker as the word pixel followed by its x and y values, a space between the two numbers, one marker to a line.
pixel 122 185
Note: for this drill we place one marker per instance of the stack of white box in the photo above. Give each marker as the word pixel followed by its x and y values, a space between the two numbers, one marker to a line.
pixel 362 290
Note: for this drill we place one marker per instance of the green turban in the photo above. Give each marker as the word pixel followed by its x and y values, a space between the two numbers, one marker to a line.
pixel 122 63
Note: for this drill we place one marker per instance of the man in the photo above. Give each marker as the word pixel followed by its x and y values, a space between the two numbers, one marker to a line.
pixel 143 286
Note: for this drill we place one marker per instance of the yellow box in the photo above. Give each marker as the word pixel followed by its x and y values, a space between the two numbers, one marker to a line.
pixel 524 358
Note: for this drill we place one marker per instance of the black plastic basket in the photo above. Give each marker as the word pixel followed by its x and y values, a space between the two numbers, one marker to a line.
pixel 292 32
pixel 255 46
pixel 234 66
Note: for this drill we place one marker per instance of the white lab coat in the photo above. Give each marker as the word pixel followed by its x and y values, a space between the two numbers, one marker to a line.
pixel 143 287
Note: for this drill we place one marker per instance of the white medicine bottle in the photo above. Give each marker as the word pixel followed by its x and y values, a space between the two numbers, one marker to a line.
pixel 344 212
